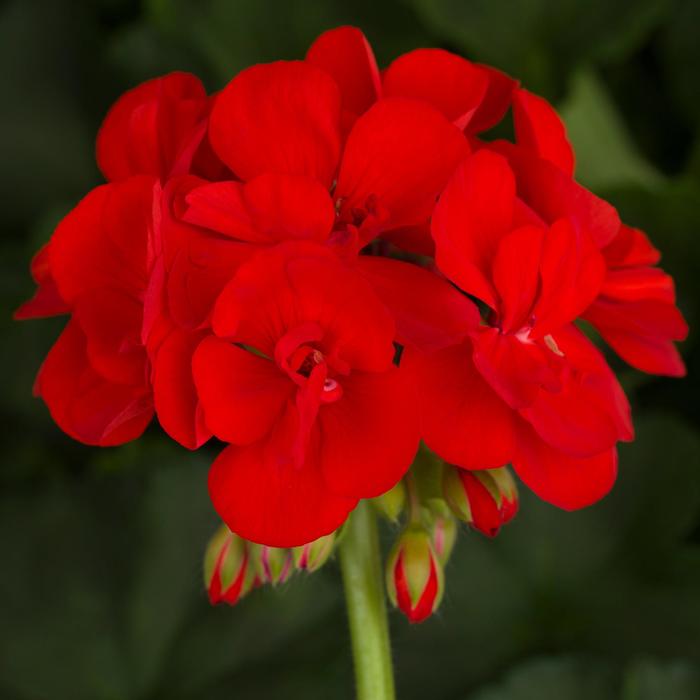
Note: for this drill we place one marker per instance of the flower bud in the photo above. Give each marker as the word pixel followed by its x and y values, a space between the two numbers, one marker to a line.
pixel 486 499
pixel 414 576
pixel 226 568
pixel 272 564
pixel 314 555
pixel 443 536
pixel 391 503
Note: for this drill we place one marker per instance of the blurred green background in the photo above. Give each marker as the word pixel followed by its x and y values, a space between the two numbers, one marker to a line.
pixel 100 587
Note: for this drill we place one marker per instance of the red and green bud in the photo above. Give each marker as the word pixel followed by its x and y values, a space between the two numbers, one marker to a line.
pixel 391 503
pixel 443 535
pixel 314 555
pixel 414 576
pixel 227 571
pixel 272 564
pixel 485 499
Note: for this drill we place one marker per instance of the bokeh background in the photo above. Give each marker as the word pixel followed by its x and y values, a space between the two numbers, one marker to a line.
pixel 100 587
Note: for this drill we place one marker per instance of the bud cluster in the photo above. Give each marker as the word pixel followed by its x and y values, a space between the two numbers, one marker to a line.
pixel 435 496
pixel 233 566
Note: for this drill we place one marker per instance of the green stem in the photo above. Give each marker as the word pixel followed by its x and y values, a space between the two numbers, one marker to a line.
pixel 363 579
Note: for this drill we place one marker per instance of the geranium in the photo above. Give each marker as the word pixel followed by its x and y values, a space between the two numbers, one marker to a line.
pixel 324 263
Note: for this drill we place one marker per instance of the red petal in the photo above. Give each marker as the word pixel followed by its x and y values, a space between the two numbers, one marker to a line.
pixel 446 81
pixel 539 129
pixel 566 482
pixel 554 195
pixel 642 333
pixel 591 412
pixel 103 241
pixel 400 152
pixel 279 117
pixel 497 99
pixel 46 300
pixel 571 274
pixel 269 208
pixel 151 128
pixel 345 54
pixel 177 404
pixel 404 288
pixel 196 264
pixel 631 248
pixel 474 212
pixel 242 394
pixel 516 275
pixel 280 505
pixel 369 437
pixel 516 368
pixel 84 404
pixel 296 283
pixel 463 420
pixel 111 321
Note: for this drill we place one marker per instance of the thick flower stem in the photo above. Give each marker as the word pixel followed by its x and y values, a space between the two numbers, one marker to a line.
pixel 363 579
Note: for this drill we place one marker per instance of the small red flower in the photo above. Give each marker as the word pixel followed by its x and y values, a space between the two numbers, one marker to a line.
pixel 300 379
pixel 542 397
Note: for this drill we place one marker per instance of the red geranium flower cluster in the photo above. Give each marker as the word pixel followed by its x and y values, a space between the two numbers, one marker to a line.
pixel 323 264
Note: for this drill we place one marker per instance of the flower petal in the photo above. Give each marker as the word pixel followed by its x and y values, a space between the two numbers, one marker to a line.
pixel 82 402
pixel 279 117
pixel 448 82
pixel 103 241
pixel 463 420
pixel 280 505
pixel 369 437
pixel 177 404
pixel 403 288
pixel 297 283
pixel 539 129
pixel 400 152
pixel 498 97
pixel 591 412
pixel 154 128
pixel 474 212
pixel 564 481
pixel 345 54
pixel 270 208
pixel 242 394
pixel 555 195
pixel 46 300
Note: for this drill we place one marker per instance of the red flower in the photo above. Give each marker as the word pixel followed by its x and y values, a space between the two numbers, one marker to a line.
pixel 635 311
pixel 300 380
pixel 95 379
pixel 533 389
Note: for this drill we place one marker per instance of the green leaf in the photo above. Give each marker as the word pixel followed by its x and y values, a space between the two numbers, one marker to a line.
pixel 605 154
pixel 539 41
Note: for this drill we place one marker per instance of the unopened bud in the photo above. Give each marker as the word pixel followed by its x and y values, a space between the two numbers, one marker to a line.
pixel 486 499
pixel 272 564
pixel 391 503
pixel 227 574
pixel 414 575
pixel 443 536
pixel 314 555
